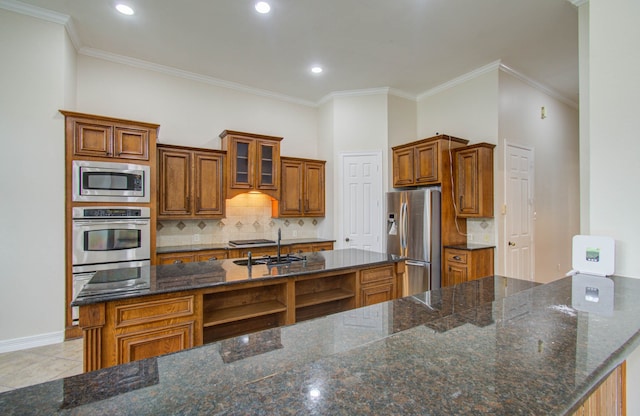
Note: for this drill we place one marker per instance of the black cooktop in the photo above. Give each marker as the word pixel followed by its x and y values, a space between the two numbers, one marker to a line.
pixel 250 242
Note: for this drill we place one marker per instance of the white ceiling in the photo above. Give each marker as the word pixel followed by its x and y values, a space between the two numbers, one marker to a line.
pixel 410 46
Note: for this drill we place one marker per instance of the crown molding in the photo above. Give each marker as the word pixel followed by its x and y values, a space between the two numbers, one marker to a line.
pixel 461 79
pixel 366 91
pixel 44 14
pixel 541 87
pixel 578 3
pixel 138 63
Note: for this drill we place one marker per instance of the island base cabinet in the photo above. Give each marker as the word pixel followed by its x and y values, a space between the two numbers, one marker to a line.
pixel 241 311
pixel 122 331
pixel 324 295
pixel 608 398
pixel 377 285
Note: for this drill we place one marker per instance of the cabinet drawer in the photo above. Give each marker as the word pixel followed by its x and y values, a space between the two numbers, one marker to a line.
pixel 376 275
pixel 147 312
pixel 456 256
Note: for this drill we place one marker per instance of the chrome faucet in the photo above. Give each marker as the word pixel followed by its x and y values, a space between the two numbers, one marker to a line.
pixel 278 252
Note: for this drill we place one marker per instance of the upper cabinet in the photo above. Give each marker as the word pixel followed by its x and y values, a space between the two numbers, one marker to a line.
pixel 254 163
pixel 190 182
pixel 302 188
pixel 474 180
pixel 422 162
pixel 104 137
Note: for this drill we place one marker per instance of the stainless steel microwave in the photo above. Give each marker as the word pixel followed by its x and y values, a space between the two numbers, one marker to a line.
pixel 110 182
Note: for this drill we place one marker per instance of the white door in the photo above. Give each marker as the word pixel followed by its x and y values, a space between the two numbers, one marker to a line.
pixel 519 212
pixel 361 225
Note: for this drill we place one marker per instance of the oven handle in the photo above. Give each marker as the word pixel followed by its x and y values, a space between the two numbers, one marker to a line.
pixel 102 222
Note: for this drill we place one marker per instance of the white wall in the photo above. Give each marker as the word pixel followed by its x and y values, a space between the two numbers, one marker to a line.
pixel 359 124
pixel 403 124
pixel 614 127
pixel 190 112
pixel 614 59
pixel 36 80
pixel 468 110
pixel 555 143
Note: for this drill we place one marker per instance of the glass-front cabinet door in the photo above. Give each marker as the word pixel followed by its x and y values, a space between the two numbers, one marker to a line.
pixel 254 163
pixel 267 166
pixel 242 163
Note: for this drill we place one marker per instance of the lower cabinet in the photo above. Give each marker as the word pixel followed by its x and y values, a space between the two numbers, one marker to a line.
pixel 462 265
pixel 122 331
pixel 191 256
pixel 377 285
pixel 608 398
pixel 220 254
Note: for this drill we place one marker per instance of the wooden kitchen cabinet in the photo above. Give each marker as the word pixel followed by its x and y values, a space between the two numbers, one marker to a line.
pixel 424 162
pixel 140 328
pixel 462 265
pixel 473 168
pixel 377 285
pixel 190 182
pixel 191 256
pixel 254 163
pixel 310 247
pixel 302 188
pixel 104 137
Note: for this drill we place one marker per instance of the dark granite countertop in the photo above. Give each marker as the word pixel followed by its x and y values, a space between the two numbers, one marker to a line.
pixel 197 275
pixel 225 246
pixel 470 246
pixel 491 346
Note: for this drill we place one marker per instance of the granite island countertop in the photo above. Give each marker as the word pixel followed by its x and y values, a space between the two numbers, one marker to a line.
pixel 491 346
pixel 197 275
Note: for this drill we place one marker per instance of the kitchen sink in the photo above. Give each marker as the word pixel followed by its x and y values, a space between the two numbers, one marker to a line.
pixel 269 260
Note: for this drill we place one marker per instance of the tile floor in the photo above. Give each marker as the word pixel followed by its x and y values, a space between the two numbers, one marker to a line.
pixel 37 365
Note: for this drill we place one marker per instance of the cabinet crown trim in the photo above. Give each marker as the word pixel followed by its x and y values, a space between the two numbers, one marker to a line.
pixel 251 135
pixel 110 119
pixel 432 139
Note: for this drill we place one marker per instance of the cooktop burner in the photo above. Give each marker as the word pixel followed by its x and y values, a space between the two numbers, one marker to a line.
pixel 250 242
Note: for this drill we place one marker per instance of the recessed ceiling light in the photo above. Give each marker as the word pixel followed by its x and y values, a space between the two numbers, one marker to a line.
pixel 124 9
pixel 263 7
pixel 316 69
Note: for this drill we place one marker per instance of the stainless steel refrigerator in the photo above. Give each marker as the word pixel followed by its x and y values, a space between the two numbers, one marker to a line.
pixel 413 232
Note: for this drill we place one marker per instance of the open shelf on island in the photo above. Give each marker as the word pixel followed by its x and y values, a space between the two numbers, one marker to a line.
pixel 324 295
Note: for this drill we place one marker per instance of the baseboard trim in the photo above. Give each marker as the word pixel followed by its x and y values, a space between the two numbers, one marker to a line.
pixel 40 340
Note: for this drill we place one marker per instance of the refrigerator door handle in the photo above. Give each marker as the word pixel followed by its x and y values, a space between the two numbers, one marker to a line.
pixel 403 227
pixel 416 263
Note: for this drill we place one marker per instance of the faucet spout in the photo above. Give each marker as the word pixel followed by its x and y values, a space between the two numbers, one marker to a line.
pixel 279 238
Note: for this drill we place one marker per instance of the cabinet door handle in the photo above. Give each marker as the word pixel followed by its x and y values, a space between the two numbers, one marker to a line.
pixel 177 262
pixel 188 203
pixel 457 258
pixel 461 201
pixel 213 258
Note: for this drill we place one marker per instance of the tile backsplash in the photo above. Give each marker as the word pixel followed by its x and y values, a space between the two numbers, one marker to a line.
pixel 481 231
pixel 248 216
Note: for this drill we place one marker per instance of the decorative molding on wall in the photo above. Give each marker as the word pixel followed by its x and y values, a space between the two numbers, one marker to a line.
pixel 367 91
pixel 461 79
pixel 44 14
pixel 139 63
pixel 541 87
pixel 578 3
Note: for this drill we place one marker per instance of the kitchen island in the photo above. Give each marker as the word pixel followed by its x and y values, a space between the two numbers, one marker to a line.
pixel 136 313
pixel 491 346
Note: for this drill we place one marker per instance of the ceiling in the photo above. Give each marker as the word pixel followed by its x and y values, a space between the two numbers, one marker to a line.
pixel 409 46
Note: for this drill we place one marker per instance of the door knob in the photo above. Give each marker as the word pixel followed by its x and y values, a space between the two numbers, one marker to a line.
pixel 346 239
pixel 512 244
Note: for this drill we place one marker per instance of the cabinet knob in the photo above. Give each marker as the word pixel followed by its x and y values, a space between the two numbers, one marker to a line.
pixel 456 257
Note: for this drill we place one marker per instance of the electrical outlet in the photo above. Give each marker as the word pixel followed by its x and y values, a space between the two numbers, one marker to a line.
pixel 486 238
pixel 295 233
pixel 196 238
pixel 469 237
